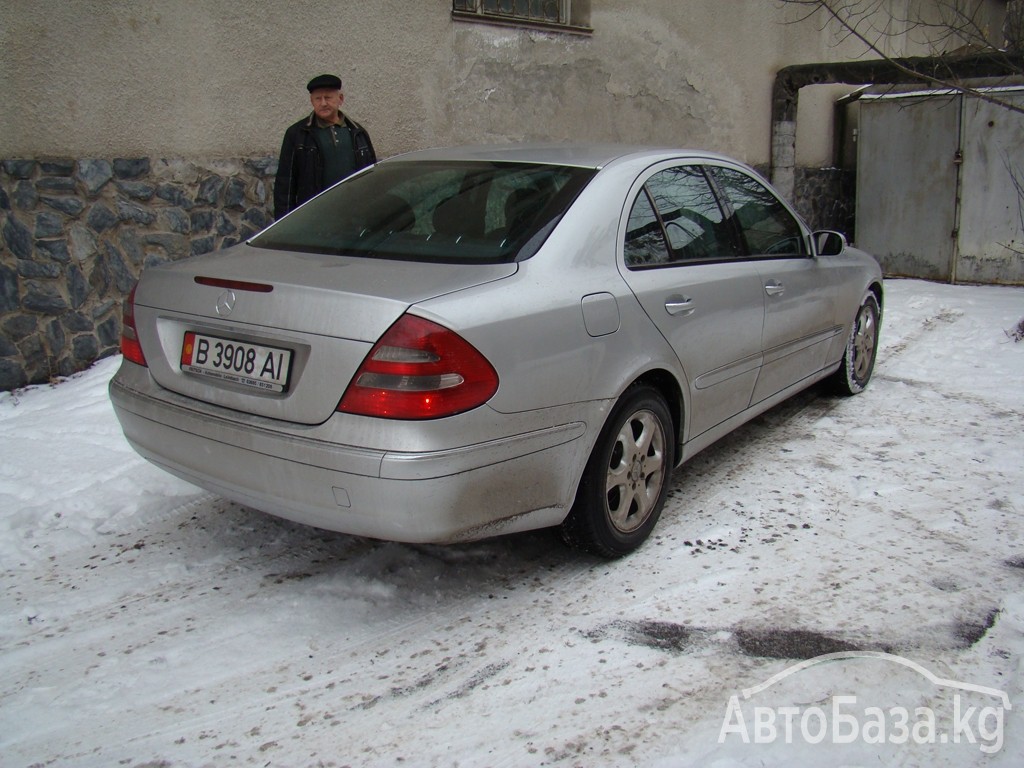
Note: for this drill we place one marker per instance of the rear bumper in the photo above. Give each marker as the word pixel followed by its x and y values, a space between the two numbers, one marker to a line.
pixel 513 483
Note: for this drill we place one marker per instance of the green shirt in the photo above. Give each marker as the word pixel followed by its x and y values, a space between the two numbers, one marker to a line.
pixel 335 142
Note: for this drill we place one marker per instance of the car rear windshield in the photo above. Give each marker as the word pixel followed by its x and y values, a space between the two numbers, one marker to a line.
pixel 451 212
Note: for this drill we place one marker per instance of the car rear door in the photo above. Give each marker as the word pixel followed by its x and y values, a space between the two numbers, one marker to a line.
pixel 799 290
pixel 681 260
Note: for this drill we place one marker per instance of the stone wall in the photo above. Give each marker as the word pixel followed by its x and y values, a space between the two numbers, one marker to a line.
pixel 77 233
pixel 826 198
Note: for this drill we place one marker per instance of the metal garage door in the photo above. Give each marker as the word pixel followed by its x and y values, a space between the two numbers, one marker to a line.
pixel 940 184
pixel 906 184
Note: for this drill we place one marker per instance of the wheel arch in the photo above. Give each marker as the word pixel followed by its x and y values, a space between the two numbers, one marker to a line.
pixel 879 293
pixel 668 386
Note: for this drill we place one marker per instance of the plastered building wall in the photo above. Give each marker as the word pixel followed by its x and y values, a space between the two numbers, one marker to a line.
pixel 201 78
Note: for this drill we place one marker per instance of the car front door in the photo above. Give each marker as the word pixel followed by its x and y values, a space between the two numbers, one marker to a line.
pixel 681 260
pixel 799 322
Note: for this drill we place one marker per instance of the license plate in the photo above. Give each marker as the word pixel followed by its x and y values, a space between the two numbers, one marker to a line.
pixel 251 365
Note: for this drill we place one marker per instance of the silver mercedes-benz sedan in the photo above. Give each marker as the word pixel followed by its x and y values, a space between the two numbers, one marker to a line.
pixel 460 343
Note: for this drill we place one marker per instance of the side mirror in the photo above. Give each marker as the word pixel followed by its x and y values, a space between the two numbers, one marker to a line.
pixel 829 243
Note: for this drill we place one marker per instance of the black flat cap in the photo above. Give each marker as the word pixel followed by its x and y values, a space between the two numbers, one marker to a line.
pixel 324 81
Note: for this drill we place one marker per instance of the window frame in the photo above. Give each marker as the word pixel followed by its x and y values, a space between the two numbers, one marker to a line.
pixel 575 16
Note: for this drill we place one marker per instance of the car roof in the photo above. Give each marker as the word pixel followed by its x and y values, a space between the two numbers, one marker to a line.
pixel 584 155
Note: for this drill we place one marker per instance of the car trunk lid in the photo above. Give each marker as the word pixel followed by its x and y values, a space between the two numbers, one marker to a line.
pixel 296 325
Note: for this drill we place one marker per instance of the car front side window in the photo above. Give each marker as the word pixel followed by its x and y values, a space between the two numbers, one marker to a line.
pixel 768 228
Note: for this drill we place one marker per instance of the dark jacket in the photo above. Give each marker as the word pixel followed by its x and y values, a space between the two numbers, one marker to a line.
pixel 300 169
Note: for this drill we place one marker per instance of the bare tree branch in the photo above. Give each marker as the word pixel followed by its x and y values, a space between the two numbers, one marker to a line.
pixel 955 21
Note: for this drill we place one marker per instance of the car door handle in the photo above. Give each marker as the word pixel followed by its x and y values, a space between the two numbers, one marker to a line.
pixel 679 305
pixel 774 288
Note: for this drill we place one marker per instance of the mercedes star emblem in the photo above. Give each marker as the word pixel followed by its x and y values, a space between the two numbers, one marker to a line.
pixel 225 303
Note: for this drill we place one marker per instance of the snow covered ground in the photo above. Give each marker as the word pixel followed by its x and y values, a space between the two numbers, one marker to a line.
pixel 146 622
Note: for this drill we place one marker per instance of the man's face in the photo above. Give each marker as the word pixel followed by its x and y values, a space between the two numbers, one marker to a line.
pixel 326 103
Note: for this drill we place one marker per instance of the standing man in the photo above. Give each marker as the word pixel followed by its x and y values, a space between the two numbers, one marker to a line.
pixel 321 149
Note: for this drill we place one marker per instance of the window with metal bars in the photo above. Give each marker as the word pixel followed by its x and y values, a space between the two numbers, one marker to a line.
pixel 571 15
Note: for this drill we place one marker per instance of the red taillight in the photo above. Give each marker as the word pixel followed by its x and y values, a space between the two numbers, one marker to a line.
pixel 130 347
pixel 419 370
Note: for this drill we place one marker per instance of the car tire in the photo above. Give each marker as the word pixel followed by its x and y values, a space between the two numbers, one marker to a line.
pixel 861 348
pixel 623 487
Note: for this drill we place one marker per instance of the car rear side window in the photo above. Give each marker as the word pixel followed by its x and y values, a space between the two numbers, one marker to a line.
pixel 767 227
pixel 450 212
pixel 676 218
pixel 645 239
